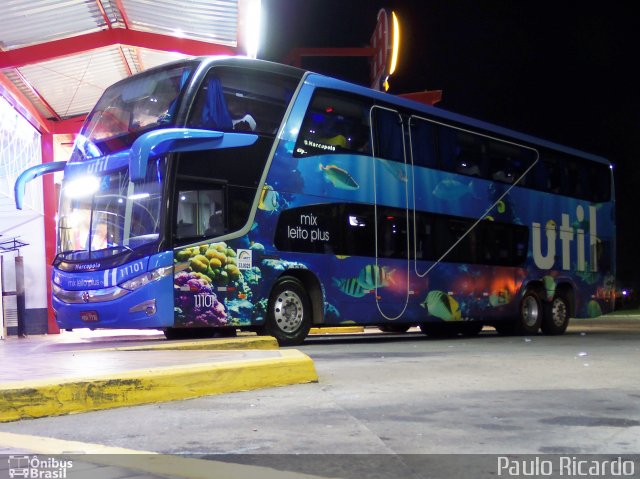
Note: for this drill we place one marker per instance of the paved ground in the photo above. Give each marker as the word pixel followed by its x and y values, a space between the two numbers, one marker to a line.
pixel 70 373
pixel 393 406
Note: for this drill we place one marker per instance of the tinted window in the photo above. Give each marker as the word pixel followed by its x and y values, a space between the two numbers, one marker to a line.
pixel 241 100
pixel 571 176
pixel 335 124
pixel 349 230
pixel 388 134
pixel 423 142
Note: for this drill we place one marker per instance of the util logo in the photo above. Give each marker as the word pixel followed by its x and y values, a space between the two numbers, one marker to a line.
pixel 569 234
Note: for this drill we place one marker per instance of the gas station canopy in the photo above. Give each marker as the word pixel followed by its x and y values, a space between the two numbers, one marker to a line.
pixel 58 56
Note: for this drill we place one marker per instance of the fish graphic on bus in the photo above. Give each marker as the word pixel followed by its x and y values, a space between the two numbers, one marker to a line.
pixel 269 199
pixel 549 286
pixel 398 170
pixel 338 177
pixel 350 287
pixel 450 189
pixel 373 276
pixel 498 298
pixel 441 305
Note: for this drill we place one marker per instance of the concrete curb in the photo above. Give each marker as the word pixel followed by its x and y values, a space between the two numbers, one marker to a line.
pixel 256 342
pixel 33 399
pixel 338 330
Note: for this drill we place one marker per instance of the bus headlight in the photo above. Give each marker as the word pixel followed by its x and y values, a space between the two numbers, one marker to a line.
pixel 146 278
pixel 87 296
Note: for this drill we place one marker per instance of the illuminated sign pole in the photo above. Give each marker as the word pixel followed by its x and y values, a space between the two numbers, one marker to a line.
pixel 383 51
pixel 386 45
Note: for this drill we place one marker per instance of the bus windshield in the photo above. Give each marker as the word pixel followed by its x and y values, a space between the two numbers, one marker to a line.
pixel 130 108
pixel 102 216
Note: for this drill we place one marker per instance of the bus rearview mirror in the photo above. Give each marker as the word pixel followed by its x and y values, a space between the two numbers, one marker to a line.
pixel 172 140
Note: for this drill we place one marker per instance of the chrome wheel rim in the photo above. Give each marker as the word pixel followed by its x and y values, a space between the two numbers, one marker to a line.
pixel 288 311
pixel 558 312
pixel 530 311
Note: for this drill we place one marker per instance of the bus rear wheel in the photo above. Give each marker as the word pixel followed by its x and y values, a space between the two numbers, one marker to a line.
pixel 530 317
pixel 556 316
pixel 289 312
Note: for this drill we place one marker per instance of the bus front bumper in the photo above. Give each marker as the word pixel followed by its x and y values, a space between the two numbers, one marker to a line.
pixel 148 307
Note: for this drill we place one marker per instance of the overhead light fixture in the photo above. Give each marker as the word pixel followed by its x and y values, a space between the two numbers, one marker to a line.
pixel 252 27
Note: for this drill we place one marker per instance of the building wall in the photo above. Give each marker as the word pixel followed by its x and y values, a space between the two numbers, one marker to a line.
pixel 20 147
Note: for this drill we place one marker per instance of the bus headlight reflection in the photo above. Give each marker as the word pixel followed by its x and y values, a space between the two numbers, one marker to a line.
pixel 146 278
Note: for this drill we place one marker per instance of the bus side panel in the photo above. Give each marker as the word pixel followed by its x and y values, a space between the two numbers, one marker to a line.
pixel 580 234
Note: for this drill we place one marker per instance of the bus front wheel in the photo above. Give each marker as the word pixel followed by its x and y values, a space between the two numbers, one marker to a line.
pixel 556 316
pixel 289 312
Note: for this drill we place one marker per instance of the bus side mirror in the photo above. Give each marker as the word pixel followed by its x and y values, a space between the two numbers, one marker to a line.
pixel 158 142
pixel 31 174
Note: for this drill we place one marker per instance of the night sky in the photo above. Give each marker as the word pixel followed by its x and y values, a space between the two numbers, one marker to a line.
pixel 561 70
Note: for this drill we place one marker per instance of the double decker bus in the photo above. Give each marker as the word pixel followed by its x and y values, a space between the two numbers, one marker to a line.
pixel 217 194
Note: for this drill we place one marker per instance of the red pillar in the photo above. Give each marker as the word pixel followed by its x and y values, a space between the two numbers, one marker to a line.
pixel 50 200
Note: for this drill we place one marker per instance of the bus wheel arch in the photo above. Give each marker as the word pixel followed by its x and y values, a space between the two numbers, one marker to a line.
pixel 314 291
pixel 558 311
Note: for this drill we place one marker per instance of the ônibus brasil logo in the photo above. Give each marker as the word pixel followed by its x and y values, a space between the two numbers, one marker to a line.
pixel 38 468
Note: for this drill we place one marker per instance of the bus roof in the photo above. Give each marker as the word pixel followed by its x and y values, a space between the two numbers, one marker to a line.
pixel 323 81
pixel 262 65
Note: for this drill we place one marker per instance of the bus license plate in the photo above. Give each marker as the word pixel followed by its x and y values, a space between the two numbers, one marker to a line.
pixel 89 316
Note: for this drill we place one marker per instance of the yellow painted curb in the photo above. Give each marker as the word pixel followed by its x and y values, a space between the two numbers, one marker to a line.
pixel 338 330
pixel 255 342
pixel 31 399
pixel 164 465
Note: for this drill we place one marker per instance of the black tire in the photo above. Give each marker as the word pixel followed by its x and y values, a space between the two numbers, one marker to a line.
pixel 556 316
pixel 531 313
pixel 394 328
pixel 289 312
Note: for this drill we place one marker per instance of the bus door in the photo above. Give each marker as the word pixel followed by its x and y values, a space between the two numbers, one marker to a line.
pixel 390 174
pixel 204 263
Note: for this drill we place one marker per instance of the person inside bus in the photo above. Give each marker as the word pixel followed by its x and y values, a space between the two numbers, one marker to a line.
pixel 241 119
pixel 246 123
pixel 99 239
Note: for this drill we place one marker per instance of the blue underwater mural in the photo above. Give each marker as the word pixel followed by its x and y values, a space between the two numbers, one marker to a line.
pixel 565 236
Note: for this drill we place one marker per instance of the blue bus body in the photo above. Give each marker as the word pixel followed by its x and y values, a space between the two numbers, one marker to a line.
pixel 373 225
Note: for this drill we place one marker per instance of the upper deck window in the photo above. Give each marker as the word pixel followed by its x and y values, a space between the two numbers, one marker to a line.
pixel 130 108
pixel 335 124
pixel 241 100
